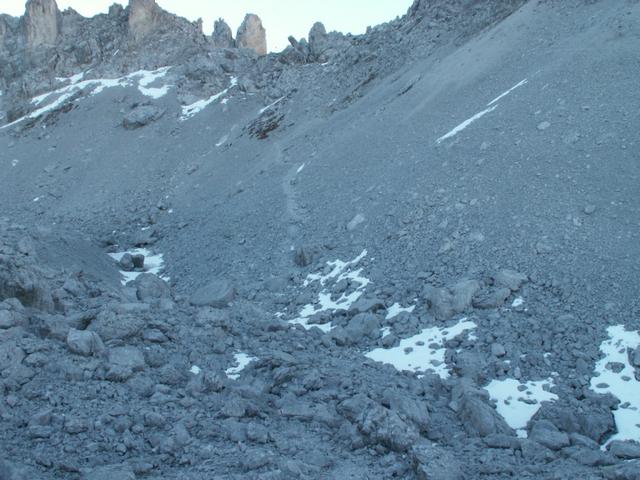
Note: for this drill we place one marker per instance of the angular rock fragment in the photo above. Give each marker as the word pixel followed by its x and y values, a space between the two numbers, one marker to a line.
pixel 218 293
pixel 84 342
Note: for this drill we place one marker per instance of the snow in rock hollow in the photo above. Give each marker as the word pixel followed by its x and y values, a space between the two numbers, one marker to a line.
pixel 423 352
pixel 153 263
pixel 241 360
pixel 189 111
pixel 518 402
pixel 615 374
pixel 340 270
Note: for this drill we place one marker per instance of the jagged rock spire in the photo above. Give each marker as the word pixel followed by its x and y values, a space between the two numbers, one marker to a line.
pixel 143 17
pixel 42 22
pixel 222 35
pixel 252 34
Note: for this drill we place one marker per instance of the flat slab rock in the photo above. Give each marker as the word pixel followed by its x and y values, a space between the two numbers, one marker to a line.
pixel 218 293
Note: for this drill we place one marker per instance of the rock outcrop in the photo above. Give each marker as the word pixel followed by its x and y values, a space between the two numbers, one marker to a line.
pixel 143 18
pixel 3 33
pixel 252 34
pixel 318 41
pixel 222 36
pixel 42 23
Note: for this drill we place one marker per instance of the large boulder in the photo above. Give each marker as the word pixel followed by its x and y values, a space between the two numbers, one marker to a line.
pixel 21 278
pixel 252 34
pixel 84 342
pixel 475 413
pixel 141 116
pixel 379 425
pixel 150 287
pixel 42 23
pixel 222 36
pixel 217 294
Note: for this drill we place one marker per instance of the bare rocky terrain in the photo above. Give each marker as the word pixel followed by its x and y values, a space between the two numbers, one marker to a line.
pixel 406 254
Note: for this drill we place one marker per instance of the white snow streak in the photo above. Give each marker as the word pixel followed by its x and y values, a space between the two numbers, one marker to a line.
pixel 465 124
pixel 623 384
pixel 492 105
pixel 271 105
pixel 424 351
pixel 502 95
pixel 518 402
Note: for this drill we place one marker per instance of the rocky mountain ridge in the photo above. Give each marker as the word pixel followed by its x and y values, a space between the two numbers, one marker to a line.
pixel 405 254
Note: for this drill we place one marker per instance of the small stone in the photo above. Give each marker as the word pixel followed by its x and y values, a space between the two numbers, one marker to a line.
pixel 510 279
pixel 635 357
pixel 126 262
pixel 127 357
pixel 542 126
pixel 498 350
pixel 302 258
pixel 590 209
pixel 8 319
pixel 138 260
pixel 355 221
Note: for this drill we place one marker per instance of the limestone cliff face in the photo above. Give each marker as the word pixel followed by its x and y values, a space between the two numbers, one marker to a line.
pixel 252 34
pixel 222 35
pixel 143 18
pixel 42 23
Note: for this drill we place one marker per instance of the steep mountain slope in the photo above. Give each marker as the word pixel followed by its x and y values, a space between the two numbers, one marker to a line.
pixel 454 194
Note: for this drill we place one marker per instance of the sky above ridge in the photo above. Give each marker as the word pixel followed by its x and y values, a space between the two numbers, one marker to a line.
pixel 281 18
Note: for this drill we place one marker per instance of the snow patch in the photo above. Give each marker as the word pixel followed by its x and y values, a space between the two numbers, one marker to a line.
pixel 93 87
pixel 152 264
pixel 395 310
pixel 339 271
pixel 242 360
pixel 518 402
pixel 195 370
pixel 300 168
pixel 146 78
pixel 614 374
pixel 189 111
pixel 422 352
pixel 517 302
